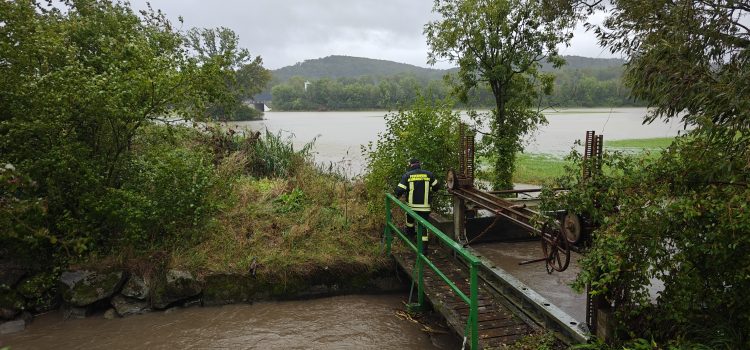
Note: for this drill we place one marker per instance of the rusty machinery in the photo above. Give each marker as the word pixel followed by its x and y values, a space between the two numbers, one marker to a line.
pixel 556 238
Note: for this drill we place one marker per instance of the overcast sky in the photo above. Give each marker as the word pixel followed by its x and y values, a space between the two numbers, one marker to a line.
pixel 284 32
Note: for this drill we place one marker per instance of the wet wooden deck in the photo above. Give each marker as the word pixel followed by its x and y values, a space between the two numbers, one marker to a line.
pixel 498 326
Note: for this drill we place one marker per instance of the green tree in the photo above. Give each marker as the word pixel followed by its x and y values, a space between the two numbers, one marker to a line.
pixel 501 44
pixel 77 84
pixel 682 218
pixel 428 130
pixel 219 53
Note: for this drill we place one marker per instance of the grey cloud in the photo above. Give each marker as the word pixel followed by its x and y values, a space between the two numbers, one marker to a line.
pixel 284 32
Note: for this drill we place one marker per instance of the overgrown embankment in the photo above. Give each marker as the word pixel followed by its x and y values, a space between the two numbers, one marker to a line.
pixel 97 187
pixel 209 215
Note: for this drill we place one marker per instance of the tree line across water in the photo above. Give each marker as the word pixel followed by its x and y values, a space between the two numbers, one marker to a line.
pixel 350 83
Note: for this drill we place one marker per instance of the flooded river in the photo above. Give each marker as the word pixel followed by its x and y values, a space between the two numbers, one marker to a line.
pixel 345 322
pixel 339 135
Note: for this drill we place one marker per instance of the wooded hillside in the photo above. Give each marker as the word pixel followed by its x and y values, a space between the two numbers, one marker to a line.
pixel 351 83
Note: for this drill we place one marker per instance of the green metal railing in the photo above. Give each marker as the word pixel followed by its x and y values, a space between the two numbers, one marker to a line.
pixel 471 331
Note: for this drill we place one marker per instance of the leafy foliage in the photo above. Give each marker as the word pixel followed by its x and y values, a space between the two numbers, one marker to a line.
pixel 242 76
pixel 21 212
pixel 427 131
pixel 680 219
pixel 79 81
pixel 668 221
pixel 164 200
pixel 501 44
pixel 290 202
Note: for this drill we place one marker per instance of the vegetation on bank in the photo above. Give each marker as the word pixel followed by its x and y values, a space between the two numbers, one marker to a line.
pixel 290 226
pixel 538 169
pixel 652 144
pixel 541 169
pixel 680 217
pixel 93 174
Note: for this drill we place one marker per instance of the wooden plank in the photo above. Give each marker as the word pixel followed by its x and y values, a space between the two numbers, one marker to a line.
pixel 497 325
pixel 504 331
pixel 491 325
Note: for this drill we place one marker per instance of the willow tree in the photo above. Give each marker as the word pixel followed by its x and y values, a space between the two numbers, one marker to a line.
pixel 501 44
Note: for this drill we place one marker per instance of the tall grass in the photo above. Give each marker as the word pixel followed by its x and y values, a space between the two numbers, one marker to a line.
pixel 290 227
pixel 285 216
pixel 537 168
pixel 274 155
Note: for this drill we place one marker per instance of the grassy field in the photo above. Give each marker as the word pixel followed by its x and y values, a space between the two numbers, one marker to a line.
pixel 642 144
pixel 537 169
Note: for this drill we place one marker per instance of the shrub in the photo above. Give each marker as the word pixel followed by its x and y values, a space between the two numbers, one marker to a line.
pixel 427 131
pixel 680 220
pixel 165 199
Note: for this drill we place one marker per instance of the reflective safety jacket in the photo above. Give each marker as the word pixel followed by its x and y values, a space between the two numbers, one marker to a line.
pixel 419 184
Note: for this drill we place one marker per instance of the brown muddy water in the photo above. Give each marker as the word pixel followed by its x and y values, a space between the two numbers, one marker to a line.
pixel 339 136
pixel 344 322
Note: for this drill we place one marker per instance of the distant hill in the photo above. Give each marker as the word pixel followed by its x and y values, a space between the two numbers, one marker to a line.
pixel 351 67
pixel 578 62
pixel 355 83
pixel 334 67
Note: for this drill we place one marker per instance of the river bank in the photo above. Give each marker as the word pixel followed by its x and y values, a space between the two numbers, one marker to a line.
pixel 258 222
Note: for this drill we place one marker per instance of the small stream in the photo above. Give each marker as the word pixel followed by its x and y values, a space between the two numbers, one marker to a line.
pixel 344 322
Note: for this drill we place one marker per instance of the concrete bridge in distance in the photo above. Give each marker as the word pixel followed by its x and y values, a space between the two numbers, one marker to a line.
pixel 261 105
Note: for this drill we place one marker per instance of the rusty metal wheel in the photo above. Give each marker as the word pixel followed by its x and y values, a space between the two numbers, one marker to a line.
pixel 572 228
pixel 555 248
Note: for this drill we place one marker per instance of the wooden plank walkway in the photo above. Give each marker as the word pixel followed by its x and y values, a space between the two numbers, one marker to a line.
pixel 497 324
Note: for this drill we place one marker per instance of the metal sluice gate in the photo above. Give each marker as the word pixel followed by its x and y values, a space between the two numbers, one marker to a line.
pixel 557 236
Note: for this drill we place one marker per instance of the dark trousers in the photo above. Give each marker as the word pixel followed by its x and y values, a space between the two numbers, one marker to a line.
pixel 411 231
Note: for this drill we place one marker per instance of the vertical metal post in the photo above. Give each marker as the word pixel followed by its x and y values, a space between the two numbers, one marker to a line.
pixel 474 305
pixel 388 219
pixel 420 266
pixel 459 215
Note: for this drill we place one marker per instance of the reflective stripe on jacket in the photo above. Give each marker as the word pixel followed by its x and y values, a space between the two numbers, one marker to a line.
pixel 418 184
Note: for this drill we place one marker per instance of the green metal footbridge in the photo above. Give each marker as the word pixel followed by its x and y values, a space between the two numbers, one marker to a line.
pixel 486 307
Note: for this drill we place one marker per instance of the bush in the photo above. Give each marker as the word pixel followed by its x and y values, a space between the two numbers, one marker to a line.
pixel 680 220
pixel 427 131
pixel 274 156
pixel 165 200
pixel 267 154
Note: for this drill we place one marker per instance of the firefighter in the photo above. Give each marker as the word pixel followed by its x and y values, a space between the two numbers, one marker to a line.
pixel 419 185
